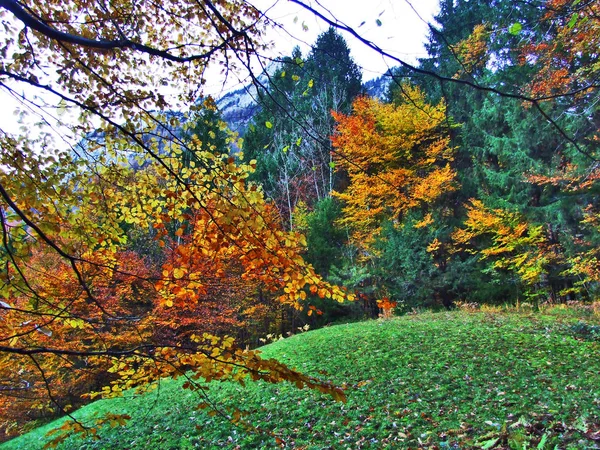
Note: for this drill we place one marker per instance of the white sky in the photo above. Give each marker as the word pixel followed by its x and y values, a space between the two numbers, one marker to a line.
pixel 402 32
pixel 402 29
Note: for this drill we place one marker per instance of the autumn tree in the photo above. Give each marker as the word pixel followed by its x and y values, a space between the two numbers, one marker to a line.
pixel 398 158
pixel 40 320
pixel 566 63
pixel 122 166
pixel 513 245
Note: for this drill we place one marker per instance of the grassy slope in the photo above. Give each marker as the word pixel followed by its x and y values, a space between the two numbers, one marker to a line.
pixel 454 380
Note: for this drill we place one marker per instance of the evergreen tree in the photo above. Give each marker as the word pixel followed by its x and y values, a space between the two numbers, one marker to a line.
pixel 289 137
pixel 324 238
pixel 207 129
pixel 502 143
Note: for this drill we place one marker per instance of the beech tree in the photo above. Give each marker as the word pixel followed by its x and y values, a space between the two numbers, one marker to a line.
pixel 110 70
pixel 514 245
pixel 397 158
pixel 399 162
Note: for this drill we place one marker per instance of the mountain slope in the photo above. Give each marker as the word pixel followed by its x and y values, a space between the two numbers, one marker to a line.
pixel 238 107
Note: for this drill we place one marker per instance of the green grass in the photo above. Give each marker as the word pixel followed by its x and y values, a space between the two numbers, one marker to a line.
pixel 446 380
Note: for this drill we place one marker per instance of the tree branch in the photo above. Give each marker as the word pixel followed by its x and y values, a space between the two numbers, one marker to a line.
pixel 441 78
pixel 100 44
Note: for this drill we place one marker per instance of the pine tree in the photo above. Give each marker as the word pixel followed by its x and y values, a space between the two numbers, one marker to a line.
pixel 289 137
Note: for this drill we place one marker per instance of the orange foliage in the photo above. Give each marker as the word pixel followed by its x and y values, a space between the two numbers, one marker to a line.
pixel 216 305
pixel 57 313
pixel 387 307
pixel 569 178
pixel 397 157
pixel 569 60
pixel 78 308
pixel 106 321
pixel 472 52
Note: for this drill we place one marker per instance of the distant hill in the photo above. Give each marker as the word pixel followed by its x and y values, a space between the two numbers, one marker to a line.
pixel 238 107
pixel 377 87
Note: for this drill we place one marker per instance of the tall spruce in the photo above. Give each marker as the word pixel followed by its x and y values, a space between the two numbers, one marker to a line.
pixel 503 143
pixel 289 137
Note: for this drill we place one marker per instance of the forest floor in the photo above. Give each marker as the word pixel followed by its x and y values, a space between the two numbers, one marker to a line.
pixel 484 379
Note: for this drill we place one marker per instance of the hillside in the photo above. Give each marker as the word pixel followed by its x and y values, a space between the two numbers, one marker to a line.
pixel 238 107
pixel 447 380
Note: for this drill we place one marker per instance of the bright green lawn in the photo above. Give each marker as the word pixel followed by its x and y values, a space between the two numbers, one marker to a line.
pixel 451 380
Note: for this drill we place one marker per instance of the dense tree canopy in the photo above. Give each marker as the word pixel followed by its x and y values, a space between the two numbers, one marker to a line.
pixel 397 158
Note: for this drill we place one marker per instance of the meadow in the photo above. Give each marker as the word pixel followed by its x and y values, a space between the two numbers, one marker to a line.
pixel 462 379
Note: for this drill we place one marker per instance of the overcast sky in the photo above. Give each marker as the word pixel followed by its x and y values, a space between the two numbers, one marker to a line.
pixel 391 24
pixel 397 26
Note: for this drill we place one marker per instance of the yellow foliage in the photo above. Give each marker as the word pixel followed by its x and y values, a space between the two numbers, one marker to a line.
pixel 397 158
pixel 512 243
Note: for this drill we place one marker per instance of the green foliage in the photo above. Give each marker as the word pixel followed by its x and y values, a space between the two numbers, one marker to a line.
pixel 416 277
pixel 515 28
pixel 508 155
pixel 289 136
pixel 586 331
pixel 207 130
pixel 324 239
pixel 333 70
pixel 452 380
pixel 405 267
pixel 507 144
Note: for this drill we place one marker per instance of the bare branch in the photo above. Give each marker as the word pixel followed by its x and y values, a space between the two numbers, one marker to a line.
pixel 31 22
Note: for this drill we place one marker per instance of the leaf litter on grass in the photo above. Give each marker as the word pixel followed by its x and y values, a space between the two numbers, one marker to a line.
pixel 445 380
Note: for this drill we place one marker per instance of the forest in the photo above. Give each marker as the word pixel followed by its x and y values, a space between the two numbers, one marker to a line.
pixel 142 238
